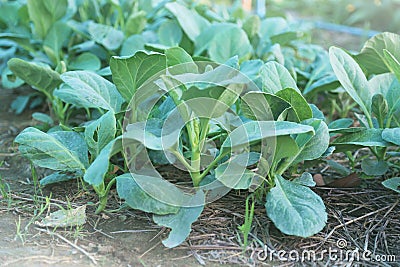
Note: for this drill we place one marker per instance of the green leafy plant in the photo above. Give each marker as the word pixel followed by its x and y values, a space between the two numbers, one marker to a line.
pixel 233 118
pixel 378 99
pixel 298 136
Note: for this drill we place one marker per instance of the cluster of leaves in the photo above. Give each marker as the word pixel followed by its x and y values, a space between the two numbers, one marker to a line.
pixel 378 99
pixel 65 58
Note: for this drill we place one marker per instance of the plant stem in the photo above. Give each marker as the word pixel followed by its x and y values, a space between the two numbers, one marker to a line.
pixel 195 162
pixel 182 159
pixel 211 165
pixel 103 195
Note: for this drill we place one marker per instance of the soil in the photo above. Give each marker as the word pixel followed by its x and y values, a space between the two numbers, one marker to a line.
pixel 365 217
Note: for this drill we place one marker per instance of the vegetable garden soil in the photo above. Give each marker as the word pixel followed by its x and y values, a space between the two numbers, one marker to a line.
pixel 365 217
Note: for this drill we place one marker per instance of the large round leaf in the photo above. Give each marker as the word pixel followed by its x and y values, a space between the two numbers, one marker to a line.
pixel 295 209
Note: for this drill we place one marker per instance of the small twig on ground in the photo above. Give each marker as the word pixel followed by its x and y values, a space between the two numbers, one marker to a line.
pixel 352 221
pixel 159 233
pixel 150 249
pixel 132 231
pixel 69 243
pixel 43 198
pixel 8 154
pixel 378 223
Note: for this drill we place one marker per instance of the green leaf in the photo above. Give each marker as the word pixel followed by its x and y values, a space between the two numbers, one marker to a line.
pixel 21 39
pixel 62 151
pixel 252 25
pixel 251 69
pixel 286 147
pixel 56 177
pixel 321 77
pixel 94 175
pixel 182 61
pixel 262 106
pixel 351 77
pixel 85 61
pixel 132 44
pixel 284 38
pixel 233 173
pixel 255 131
pixel 273 26
pixel 316 112
pixel 325 84
pixel 372 56
pixel 392 183
pixel 305 179
pixel 338 167
pixel 234 42
pixel 381 84
pixel 366 137
pixel 9 80
pixel 314 147
pixel 43 118
pixel 298 103
pixel 275 77
pixel 9 13
pixel 135 23
pixel 295 209
pixel 44 13
pixel 392 135
pixel 150 135
pixel 20 103
pixel 379 107
pixel 211 102
pixel 191 22
pixel 137 198
pixel 169 33
pixel 100 132
pixel 130 73
pixel 55 38
pixel 180 223
pixel 203 40
pixel 89 90
pixel 39 77
pixel 374 167
pixel 392 63
pixel 391 95
pixel 342 123
pixel 105 35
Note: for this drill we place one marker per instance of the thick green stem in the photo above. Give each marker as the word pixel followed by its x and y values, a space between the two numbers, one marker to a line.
pixel 102 204
pixel 201 128
pixel 211 165
pixel 195 162
pixel 182 159
pixel 103 195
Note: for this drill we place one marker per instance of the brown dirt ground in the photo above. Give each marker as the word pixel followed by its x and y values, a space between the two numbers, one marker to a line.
pixel 366 217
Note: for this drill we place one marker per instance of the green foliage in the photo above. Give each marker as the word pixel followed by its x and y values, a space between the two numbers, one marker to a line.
pixel 378 98
pixel 295 209
pixel 44 13
pixel 246 124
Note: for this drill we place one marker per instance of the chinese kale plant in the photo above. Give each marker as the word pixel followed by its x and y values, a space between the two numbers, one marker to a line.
pixel 227 118
pixel 209 119
pixel 378 99
pixel 227 133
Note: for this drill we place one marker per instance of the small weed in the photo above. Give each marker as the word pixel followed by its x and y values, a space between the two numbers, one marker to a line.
pixel 245 228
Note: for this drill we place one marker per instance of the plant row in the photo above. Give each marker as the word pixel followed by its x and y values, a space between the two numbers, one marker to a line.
pixel 224 95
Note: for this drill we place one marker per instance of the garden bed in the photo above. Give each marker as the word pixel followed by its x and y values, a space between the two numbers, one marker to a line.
pixel 366 217
pixel 226 138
